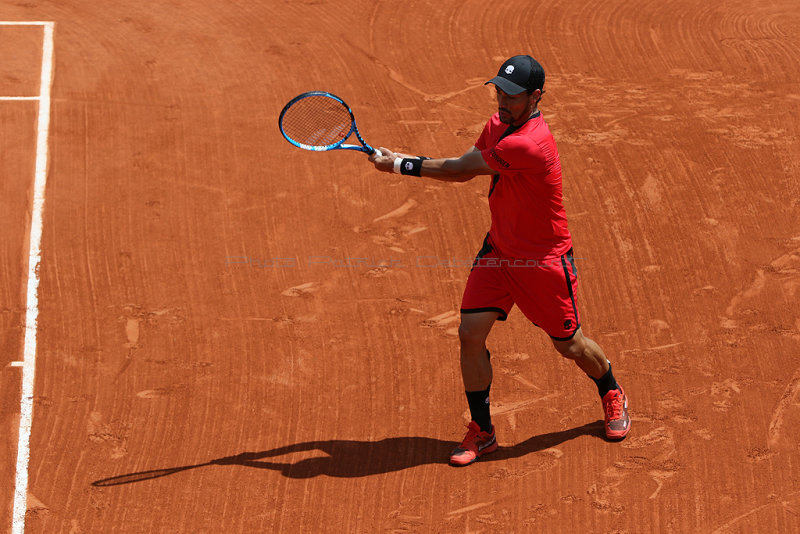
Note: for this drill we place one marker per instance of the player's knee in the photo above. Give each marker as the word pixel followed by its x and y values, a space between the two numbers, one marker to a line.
pixel 571 351
pixel 470 336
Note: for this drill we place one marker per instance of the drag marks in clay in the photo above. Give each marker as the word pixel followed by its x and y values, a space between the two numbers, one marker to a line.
pixel 443 321
pixel 112 435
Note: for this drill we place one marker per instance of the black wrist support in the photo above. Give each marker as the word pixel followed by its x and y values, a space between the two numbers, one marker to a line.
pixel 411 166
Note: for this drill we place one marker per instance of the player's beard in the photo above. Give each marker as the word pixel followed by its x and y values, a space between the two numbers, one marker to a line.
pixel 505 116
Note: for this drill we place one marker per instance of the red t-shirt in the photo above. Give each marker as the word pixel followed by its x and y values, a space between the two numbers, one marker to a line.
pixel 528 217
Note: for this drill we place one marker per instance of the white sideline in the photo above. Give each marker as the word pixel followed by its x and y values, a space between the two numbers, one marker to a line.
pixel 34 257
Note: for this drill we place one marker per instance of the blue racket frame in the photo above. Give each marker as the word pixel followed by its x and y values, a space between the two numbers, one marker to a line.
pixel 339 145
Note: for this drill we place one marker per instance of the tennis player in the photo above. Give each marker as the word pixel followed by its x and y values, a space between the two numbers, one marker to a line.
pixel 526 258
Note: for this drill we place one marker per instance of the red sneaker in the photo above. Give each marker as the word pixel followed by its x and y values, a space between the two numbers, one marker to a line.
pixel 475 445
pixel 618 422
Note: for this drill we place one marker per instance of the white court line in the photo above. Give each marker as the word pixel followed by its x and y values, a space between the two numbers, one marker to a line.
pixel 19 98
pixel 34 257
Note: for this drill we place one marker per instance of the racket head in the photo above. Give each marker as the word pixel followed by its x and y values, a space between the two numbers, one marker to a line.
pixel 318 121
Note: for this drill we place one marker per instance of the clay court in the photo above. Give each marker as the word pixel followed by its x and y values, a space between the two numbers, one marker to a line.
pixel 235 335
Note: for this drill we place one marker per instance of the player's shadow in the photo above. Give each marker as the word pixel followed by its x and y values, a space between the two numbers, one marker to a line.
pixel 352 459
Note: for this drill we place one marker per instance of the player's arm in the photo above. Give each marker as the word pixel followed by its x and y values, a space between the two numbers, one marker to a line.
pixel 458 169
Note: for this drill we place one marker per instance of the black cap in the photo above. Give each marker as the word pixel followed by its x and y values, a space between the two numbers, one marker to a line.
pixel 519 73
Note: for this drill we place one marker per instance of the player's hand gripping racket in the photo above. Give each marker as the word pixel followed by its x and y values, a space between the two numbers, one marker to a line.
pixel 320 121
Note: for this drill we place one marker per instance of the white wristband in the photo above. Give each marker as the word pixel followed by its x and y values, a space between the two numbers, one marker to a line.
pixel 397 162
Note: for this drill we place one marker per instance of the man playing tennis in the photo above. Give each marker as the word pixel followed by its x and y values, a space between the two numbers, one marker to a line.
pixel 526 258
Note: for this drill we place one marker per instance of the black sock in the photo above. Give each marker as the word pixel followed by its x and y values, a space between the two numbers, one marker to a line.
pixel 479 408
pixel 605 383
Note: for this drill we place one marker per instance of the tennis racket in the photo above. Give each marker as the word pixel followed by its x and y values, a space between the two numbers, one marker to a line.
pixel 320 121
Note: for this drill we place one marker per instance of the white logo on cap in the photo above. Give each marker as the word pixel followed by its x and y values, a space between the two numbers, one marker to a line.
pixel 509 69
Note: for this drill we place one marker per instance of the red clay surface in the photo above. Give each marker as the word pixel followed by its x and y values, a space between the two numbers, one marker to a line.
pixel 239 336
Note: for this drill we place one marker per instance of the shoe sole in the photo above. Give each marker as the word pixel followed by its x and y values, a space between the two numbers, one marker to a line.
pixel 491 448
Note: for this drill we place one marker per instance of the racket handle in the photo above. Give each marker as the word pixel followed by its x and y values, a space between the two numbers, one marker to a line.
pixel 377 152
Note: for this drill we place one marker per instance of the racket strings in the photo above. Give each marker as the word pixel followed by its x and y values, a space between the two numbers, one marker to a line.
pixel 317 121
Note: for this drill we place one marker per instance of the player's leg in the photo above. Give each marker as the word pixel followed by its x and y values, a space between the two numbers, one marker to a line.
pixel 589 357
pixel 476 372
pixel 485 301
pixel 476 368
